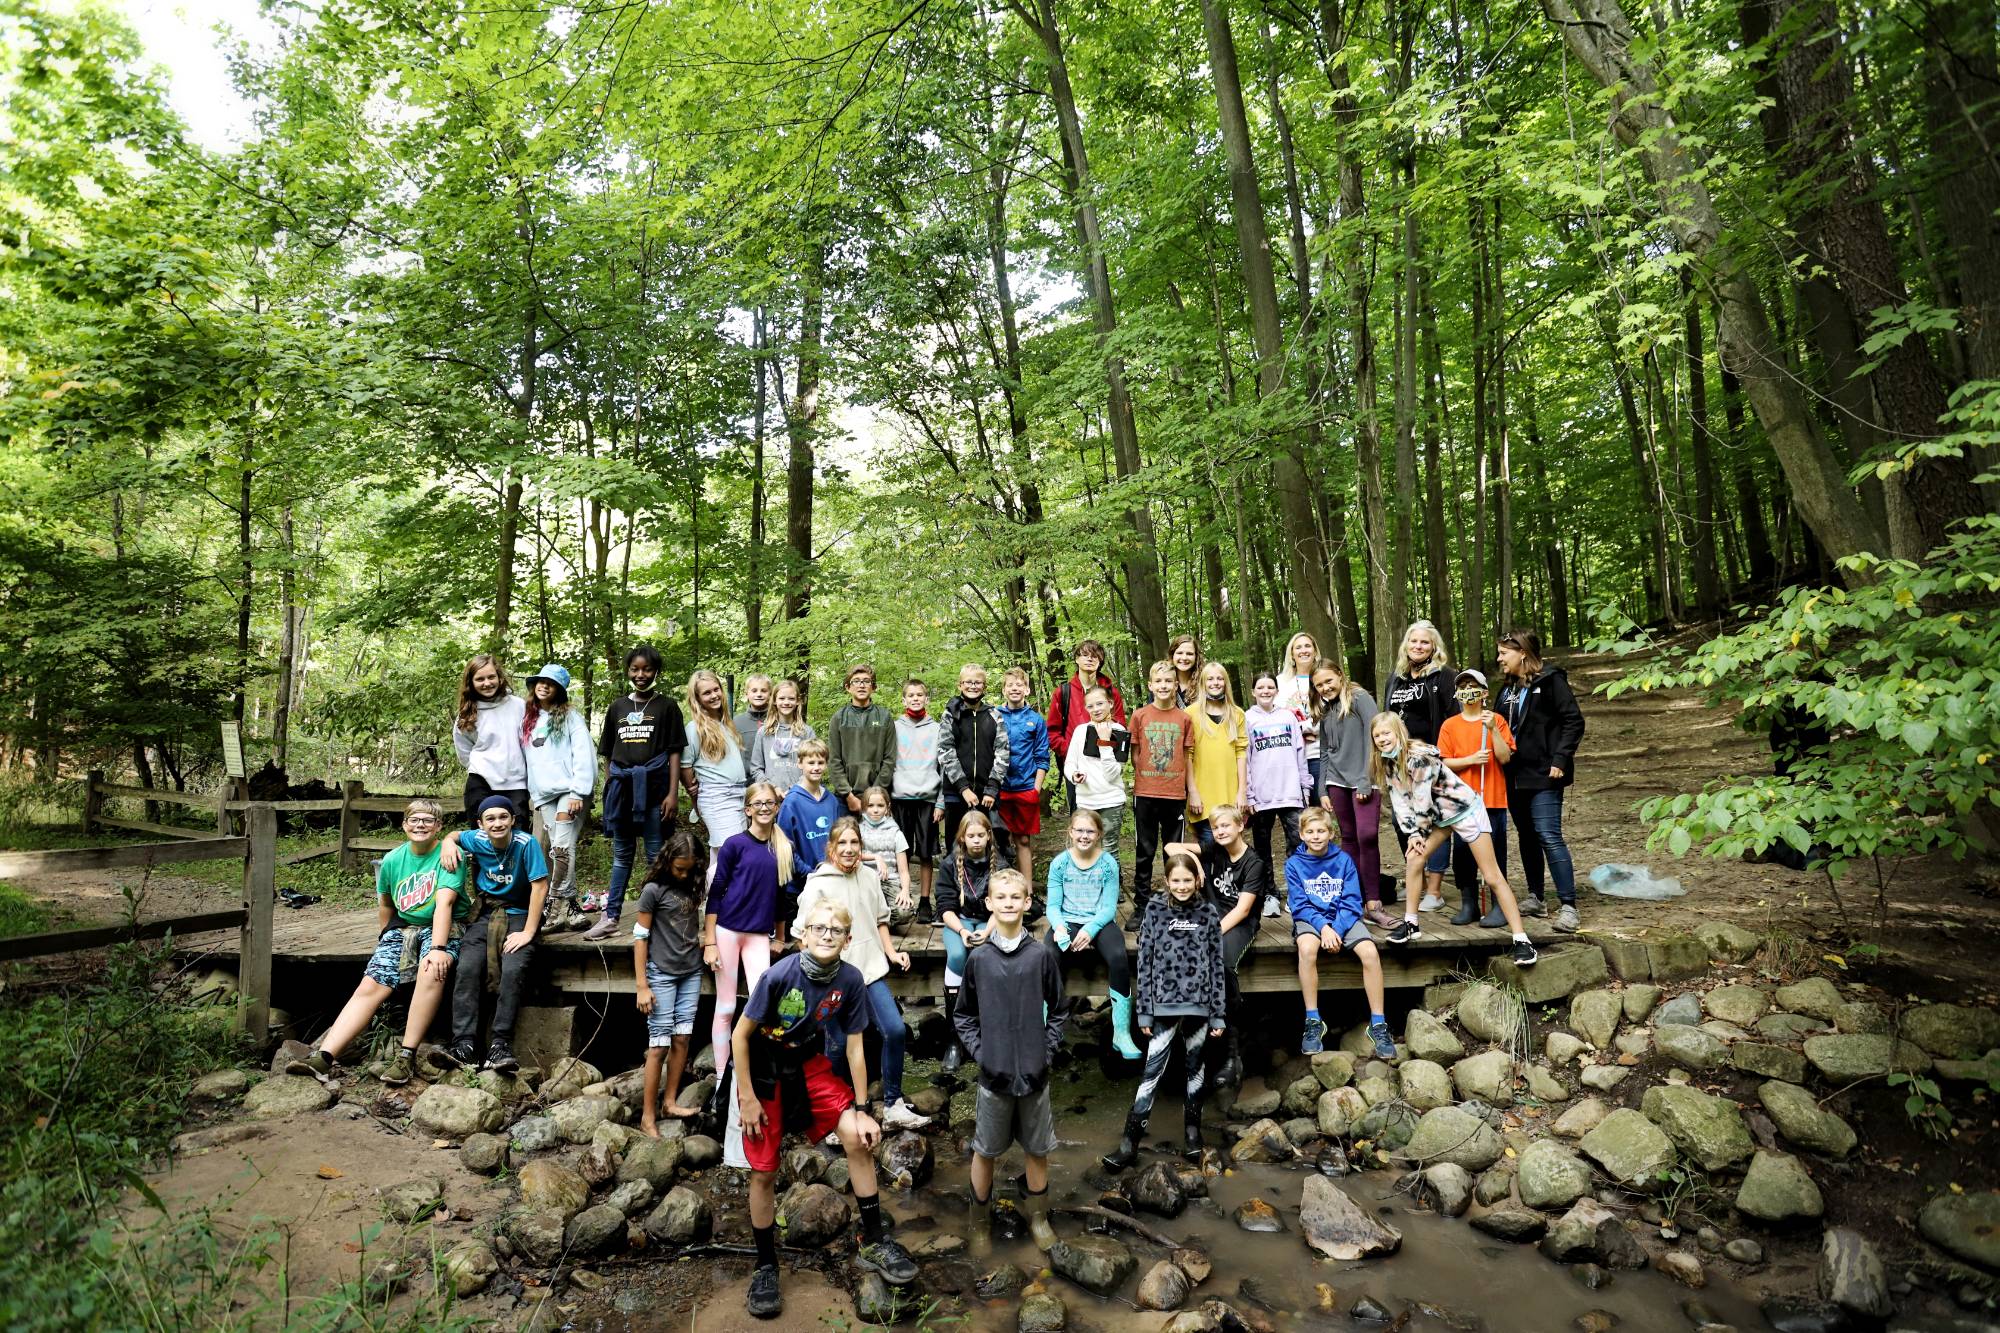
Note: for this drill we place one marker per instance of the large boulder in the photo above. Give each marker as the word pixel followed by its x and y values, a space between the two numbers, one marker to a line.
pixel 1425 1085
pixel 453 1113
pixel 905 1161
pixel 1446 1187
pixel 1560 972
pixel 655 1161
pixel 547 1186
pixel 1341 1109
pixel 1728 942
pixel 1490 1013
pixel 1591 1232
pixel 534 1133
pixel 1689 1047
pixel 1487 1077
pixel 483 1154
pixel 1966 1226
pixel 1335 1069
pixel 1301 1096
pixel 1594 1016
pixel 1338 1227
pixel 1254 1103
pixel 1814 997
pixel 1706 1129
pixel 1157 1190
pixel 1676 957
pixel 1632 1150
pixel 810 1216
pixel 286 1094
pixel 1803 1121
pixel 1551 1176
pixel 1098 1264
pixel 537 1236
pixel 1429 1039
pixel 1767 1060
pixel 1685 1009
pixel 1545 1086
pixel 577 1118
pixel 1954 1031
pixel 1848 1057
pixel 1777 1189
pixel 1450 1134
pixel 1741 1005
pixel 1639 1002
pixel 681 1218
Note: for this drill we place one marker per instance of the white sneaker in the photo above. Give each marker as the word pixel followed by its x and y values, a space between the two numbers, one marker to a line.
pixel 831 1141
pixel 1271 907
pixel 898 1115
pixel 1431 902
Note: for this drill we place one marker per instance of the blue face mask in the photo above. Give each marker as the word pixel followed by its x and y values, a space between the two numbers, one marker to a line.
pixel 1390 754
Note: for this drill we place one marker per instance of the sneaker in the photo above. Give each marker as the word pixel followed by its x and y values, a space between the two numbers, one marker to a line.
pixel 399 1072
pixel 1534 907
pixel 317 1065
pixel 1378 915
pixel 1404 931
pixel 1524 954
pixel 605 928
pixel 764 1300
pixel 591 902
pixel 926 914
pixel 500 1056
pixel 1271 907
pixel 898 1115
pixel 1313 1040
pixel 1567 920
pixel 1385 1043
pixel 1431 902
pixel 458 1055
pixel 889 1259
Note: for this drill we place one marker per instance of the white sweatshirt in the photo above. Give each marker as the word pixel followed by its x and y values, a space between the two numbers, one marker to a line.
pixel 494 752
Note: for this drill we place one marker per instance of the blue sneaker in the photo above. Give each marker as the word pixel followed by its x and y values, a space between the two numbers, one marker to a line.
pixel 1385 1044
pixel 1311 1043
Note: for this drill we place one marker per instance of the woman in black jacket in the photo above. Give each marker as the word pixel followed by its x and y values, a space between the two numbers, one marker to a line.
pixel 1419 691
pixel 1541 708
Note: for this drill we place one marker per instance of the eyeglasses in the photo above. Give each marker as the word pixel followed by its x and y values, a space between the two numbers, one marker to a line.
pixel 419 821
pixel 825 932
pixel 763 805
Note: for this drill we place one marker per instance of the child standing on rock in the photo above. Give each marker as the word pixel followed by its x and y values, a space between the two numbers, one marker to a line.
pixel 666 958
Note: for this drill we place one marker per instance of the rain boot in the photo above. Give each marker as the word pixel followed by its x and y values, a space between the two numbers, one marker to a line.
pixel 979 1224
pixel 1121 1026
pixel 1468 906
pixel 1229 1073
pixel 1194 1144
pixel 1127 1151
pixel 954 1054
pixel 1037 1208
pixel 1495 919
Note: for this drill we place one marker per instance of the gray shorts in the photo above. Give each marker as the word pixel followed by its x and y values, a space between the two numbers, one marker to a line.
pixel 1000 1120
pixel 1356 933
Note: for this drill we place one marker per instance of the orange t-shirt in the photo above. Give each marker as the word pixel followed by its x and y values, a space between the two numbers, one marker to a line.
pixel 1460 738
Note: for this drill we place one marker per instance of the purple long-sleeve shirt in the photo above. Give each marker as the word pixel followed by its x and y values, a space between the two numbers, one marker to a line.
pixel 1276 776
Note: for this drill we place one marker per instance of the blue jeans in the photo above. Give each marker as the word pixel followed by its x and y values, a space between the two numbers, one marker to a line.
pixel 888 1021
pixel 1538 826
pixel 955 950
pixel 622 846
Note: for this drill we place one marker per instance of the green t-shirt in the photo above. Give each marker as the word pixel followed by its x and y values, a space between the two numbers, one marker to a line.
pixel 411 882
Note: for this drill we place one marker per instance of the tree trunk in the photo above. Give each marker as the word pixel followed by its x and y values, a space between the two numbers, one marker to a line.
pixel 1436 548
pixel 801 423
pixel 753 585
pixel 288 644
pixel 1659 581
pixel 1021 451
pixel 1473 634
pixel 1960 82
pixel 1707 576
pixel 1503 498
pixel 246 568
pixel 1406 401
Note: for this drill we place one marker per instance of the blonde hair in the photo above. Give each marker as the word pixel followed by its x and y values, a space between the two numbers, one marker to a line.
pixel 1096 820
pixel 424 805
pixel 1009 878
pixel 1233 812
pixel 775 716
pixel 1316 815
pixel 868 796
pixel 1291 663
pixel 815 746
pixel 1015 673
pixel 1232 715
pixel 1377 773
pixel 1438 654
pixel 781 846
pixel 714 732
pixel 1343 701
pixel 1163 668
pixel 832 907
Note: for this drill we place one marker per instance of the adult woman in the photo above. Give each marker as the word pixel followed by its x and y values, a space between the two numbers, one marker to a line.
pixel 1419 692
pixel 1541 708
pixel 1295 693
pixel 1345 782
pixel 488 737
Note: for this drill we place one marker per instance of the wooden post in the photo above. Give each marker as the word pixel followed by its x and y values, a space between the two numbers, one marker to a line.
pixel 93 799
pixel 350 822
pixel 260 892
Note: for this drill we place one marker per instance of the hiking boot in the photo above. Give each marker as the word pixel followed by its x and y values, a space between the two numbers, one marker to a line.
pixel 605 928
pixel 1524 954
pixel 926 914
pixel 764 1300
pixel 1229 1073
pixel 1191 1133
pixel 317 1065
pixel 1385 1041
pixel 1377 915
pixel 1567 920
pixel 458 1055
pixel 1533 906
pixel 399 1071
pixel 1313 1040
pixel 1038 1222
pixel 1127 1151
pixel 1404 931
pixel 889 1259
pixel 1431 903
pixel 899 1115
pixel 500 1056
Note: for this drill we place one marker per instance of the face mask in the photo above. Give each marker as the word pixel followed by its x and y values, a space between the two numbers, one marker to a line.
pixel 818 971
pixel 1471 696
pixel 1391 753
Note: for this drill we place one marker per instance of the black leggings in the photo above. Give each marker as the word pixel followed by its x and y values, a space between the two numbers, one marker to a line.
pixel 1110 946
pixel 477 789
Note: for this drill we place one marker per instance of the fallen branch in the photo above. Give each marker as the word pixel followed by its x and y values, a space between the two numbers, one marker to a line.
pixel 1117 1218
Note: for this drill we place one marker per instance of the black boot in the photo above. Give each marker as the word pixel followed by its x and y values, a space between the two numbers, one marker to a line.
pixel 954 1054
pixel 1127 1151
pixel 1194 1144
pixel 1229 1073
pixel 1468 906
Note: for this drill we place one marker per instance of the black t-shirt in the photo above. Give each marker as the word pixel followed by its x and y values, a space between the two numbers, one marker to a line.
pixel 636 731
pixel 1229 880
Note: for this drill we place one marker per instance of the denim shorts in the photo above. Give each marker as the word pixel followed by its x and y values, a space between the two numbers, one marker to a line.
pixel 385 967
pixel 674 1001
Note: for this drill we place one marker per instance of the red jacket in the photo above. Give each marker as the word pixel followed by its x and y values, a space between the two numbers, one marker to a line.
pixel 1067 711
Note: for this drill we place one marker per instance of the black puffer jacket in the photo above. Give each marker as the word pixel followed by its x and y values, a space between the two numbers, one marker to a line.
pixel 1548 728
pixel 961 885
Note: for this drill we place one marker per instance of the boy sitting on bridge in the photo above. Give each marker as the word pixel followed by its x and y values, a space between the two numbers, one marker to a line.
pixel 510 877
pixel 417 941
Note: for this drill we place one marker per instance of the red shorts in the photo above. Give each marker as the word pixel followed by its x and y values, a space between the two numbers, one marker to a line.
pixel 1021 812
pixel 830 1096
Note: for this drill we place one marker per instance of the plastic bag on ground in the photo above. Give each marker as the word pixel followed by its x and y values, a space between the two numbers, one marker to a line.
pixel 1617 880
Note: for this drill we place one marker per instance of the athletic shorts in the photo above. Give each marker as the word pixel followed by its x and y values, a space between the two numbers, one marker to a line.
pixel 675 1000
pixel 1356 933
pixel 385 967
pixel 1471 827
pixel 1021 812
pixel 1000 1120
pixel 918 820
pixel 830 1096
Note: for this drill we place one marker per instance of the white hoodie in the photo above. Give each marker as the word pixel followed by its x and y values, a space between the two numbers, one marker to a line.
pixel 494 752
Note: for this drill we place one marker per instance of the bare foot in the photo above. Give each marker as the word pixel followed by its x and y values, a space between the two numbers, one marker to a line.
pixel 649 1127
pixel 683 1112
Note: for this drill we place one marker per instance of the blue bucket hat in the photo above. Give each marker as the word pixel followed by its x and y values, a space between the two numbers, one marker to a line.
pixel 555 675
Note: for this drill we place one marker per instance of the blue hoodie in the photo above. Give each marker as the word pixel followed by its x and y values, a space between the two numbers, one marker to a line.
pixel 807 820
pixel 1027 747
pixel 1323 890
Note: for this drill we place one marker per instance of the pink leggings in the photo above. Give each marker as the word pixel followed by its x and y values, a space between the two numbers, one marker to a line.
pixel 1360 820
pixel 737 951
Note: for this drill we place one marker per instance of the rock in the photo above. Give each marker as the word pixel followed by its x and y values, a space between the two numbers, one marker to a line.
pixel 1689 1047
pixel 1849 1057
pixel 1966 1226
pixel 1954 1031
pixel 1164 1287
pixel 1376 1091
pixel 452 1113
pixel 1263 1142
pixel 1563 1047
pixel 1683 1268
pixel 1451 1134
pixel 699 1152
pixel 1429 1039
pixel 1447 1187
pixel 1370 1311
pixel 599 1164
pixel 1589 1230
pixel 1334 1069
pixel 1632 1150
pixel 1986 1069
pixel 1581 1118
pixel 835 1177
pixel 1515 1224
pixel 1802 1315
pixel 1724 1032
pixel 547 1186
pixel 483 1154
pixel 1003 1282
pixel 1301 1132
pixel 1388 1126
pixel 1788 1027
pixel 1593 1277
pixel 1741 1005
pixel 1551 1176
pixel 1340 1109
pixel 1255 1104
pixel 683 1218
pixel 1495 1183
pixel 1639 1001
pixel 1777 1189
pixel 1301 1096
pixel 695 1095
pixel 1157 1190
pixel 655 1161
pixel 1041 1312
pixel 1851 1274
pixel 1490 1013
pixel 1728 942
pixel 221 1086
pixel 1602 1078
pixel 878 1303
pixel 1425 1085
pixel 287 1094
pixel 412 1199
pixel 928 1101
pixel 1707 1129
pixel 1545 1086
pixel 904 1161
pixel 1594 1016
pixel 538 1237
pixel 1803 1121
pixel 1676 957
pixel 1561 971
pixel 1860 1016
pixel 595 1231
pixel 1098 1264
pixel 534 1133
pixel 1338 1227
pixel 1768 1061
pixel 801 1165
pixel 1487 1077
pixel 1195 1263
pixel 1257 1215
pixel 618 1138
pixel 810 1216
pixel 1596 1321
pixel 467 1267
pixel 1814 997
pixel 567 1077
pixel 1682 1009
pixel 631 1198
pixel 1634 1044
pixel 577 1118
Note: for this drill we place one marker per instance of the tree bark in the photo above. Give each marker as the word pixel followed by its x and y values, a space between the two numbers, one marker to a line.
pixel 1436 549
pixel 1707 575
pixel 1020 450
pixel 1503 488
pixel 802 423
pixel 1960 83
pixel 288 643
pixel 753 584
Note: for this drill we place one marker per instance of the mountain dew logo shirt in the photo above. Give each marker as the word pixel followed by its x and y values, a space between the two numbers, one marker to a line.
pixel 796 1016
pixel 410 880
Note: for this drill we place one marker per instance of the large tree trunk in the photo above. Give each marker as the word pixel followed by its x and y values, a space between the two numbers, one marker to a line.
pixel 288 642
pixel 1503 488
pixel 1020 451
pixel 1645 478
pixel 1598 33
pixel 803 422
pixel 753 584
pixel 1436 549
pixel 1707 575
pixel 1406 402
pixel 246 567
pixel 1962 101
